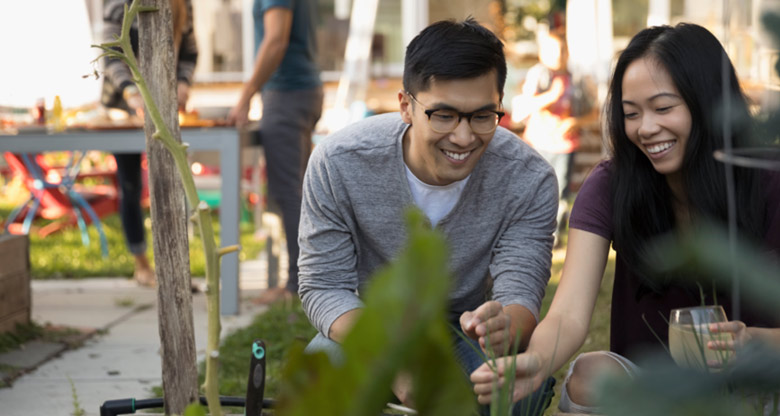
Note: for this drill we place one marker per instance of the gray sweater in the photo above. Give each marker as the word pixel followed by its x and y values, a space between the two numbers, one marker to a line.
pixel 355 192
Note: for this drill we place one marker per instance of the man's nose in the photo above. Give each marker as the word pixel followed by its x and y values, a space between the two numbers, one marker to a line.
pixel 462 135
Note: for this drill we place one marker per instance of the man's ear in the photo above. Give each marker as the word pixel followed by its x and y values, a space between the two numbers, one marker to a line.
pixel 405 106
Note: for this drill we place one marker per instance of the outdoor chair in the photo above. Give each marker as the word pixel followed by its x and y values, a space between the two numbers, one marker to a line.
pixel 62 199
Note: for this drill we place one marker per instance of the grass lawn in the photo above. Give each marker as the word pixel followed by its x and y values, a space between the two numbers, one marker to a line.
pixel 62 254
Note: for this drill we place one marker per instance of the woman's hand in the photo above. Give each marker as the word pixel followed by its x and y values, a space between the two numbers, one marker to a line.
pixel 134 100
pixel 728 344
pixel 527 377
pixel 182 95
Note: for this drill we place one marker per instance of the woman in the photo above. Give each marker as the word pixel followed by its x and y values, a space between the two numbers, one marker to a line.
pixel 119 91
pixel 664 124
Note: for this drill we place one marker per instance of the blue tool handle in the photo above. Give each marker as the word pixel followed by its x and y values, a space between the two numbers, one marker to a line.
pixel 255 387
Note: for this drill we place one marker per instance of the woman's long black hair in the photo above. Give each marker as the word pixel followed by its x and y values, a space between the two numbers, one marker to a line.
pixel 643 201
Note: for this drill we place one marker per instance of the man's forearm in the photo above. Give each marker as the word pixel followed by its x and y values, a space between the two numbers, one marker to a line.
pixel 522 324
pixel 342 325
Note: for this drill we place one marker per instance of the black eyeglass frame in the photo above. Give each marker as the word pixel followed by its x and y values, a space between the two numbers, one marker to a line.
pixel 429 113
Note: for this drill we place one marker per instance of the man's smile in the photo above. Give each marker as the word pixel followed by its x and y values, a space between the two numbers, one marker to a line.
pixel 457 156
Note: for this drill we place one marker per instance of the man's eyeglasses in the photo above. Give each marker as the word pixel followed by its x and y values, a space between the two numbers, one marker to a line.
pixel 445 121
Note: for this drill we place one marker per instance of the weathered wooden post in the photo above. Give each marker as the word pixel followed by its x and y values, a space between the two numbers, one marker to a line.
pixel 171 249
pixel 170 235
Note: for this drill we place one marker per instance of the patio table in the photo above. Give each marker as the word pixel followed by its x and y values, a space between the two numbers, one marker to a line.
pixel 225 140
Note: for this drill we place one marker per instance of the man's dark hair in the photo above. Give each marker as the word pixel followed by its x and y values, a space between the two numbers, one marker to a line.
pixel 449 50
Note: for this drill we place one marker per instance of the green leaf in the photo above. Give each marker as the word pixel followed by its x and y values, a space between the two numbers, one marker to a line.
pixel 195 409
pixel 707 251
pixel 662 388
pixel 402 328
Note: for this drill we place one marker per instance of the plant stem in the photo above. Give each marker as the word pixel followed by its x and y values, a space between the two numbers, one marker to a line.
pixel 202 216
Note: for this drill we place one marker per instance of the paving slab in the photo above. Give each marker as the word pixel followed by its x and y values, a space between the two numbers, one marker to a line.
pixel 121 359
pixel 32 355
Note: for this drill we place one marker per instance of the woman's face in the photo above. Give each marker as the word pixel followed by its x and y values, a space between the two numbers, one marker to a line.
pixel 657 119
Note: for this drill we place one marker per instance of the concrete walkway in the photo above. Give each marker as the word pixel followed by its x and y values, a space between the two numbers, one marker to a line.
pixel 121 357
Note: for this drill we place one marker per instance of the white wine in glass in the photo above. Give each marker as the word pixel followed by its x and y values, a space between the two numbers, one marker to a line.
pixel 689 333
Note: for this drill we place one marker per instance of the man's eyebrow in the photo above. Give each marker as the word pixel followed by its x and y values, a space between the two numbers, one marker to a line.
pixel 655 97
pixel 445 106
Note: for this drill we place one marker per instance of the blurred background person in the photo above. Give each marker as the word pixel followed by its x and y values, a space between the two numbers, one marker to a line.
pixel 546 107
pixel 119 91
pixel 286 75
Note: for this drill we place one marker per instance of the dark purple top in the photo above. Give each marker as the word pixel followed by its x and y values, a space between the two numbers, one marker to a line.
pixel 629 333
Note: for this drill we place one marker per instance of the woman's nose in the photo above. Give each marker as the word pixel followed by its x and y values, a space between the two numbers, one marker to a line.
pixel 648 127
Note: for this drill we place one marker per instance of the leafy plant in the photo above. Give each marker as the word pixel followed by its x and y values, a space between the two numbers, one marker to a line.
pixel 749 382
pixel 746 387
pixel 401 329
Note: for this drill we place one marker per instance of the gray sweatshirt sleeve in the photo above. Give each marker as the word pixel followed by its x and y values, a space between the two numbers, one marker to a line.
pixel 116 71
pixel 523 256
pixel 328 280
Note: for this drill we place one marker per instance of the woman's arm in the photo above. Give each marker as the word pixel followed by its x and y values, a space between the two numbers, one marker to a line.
pixel 563 329
pixel 742 335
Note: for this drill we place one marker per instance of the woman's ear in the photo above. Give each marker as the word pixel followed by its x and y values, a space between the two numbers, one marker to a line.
pixel 405 106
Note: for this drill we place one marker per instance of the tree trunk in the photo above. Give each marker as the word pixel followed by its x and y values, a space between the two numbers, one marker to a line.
pixel 169 217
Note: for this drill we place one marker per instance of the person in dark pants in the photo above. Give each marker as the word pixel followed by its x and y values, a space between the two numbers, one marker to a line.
pixel 119 91
pixel 287 77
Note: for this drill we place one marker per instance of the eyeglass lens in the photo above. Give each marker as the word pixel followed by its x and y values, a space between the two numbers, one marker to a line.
pixel 445 121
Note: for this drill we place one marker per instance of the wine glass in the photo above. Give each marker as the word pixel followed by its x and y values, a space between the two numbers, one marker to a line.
pixel 689 333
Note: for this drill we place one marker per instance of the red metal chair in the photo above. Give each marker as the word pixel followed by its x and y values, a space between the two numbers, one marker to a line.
pixel 55 194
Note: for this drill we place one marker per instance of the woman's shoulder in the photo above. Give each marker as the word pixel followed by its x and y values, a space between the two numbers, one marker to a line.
pixel 599 177
pixel 592 210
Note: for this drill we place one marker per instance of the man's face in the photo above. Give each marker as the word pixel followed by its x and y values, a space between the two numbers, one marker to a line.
pixel 443 158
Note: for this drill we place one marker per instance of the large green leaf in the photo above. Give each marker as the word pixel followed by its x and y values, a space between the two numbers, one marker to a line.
pixel 708 251
pixel 402 328
pixel 662 388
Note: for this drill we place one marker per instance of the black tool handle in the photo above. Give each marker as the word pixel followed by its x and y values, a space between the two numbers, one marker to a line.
pixel 255 387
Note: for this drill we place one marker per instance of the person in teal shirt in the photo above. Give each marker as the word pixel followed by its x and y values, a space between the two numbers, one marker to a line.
pixel 286 75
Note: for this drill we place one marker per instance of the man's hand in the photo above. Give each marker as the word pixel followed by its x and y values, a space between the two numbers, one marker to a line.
pixel 239 115
pixel 491 326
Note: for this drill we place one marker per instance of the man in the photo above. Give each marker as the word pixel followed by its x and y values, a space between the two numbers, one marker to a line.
pixel 286 72
pixel 491 195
